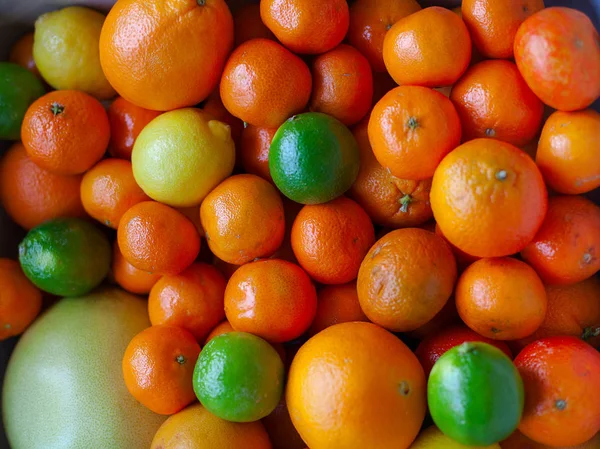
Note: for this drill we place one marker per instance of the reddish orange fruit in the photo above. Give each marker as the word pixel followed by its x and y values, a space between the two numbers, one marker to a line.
pixel 248 25
pixel 519 441
pixel 22 54
pixel 223 327
pixel 129 277
pixel 254 150
pixel 337 304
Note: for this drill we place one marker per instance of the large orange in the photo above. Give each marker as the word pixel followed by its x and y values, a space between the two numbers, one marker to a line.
pixel 166 55
pixel 463 260
pixel 488 198
pixel 253 150
pixel 248 25
pixel 337 304
pixel 129 277
pixel 356 386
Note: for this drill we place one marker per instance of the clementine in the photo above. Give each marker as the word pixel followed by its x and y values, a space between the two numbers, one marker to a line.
pixel 337 304
pixel 254 148
pixel 129 277
pixel 21 53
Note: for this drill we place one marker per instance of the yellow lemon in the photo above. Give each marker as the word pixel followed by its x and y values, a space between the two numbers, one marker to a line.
pixel 180 156
pixel 66 51
pixel 433 438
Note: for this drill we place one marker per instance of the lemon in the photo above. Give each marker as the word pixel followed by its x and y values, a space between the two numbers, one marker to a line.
pixel 180 156
pixel 433 438
pixel 66 51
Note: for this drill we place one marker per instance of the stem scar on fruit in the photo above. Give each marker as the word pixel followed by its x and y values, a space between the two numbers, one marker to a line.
pixel 412 123
pixel 501 175
pixel 180 359
pixel 405 201
pixel 561 404
pixel 57 108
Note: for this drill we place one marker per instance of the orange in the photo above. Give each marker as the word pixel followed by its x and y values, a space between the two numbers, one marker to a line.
pixel 126 123
pixel 331 239
pixel 566 154
pixel 306 26
pixel 223 327
pixel 281 430
pixel 129 277
pixel 248 25
pixel 342 84
pixel 493 100
pixel 389 201
pixel 193 214
pixel 337 304
pixel 31 195
pixel 463 260
pixel 411 129
pixel 356 386
pixel 405 279
pixel 145 50
pixel 264 84
pixel 519 441
pixel 192 300
pixel 273 299
pixel 254 150
pixel 370 20
pixel 493 24
pixel 501 298
pixel 215 107
pixel 243 219
pixel 66 132
pixel 566 249
pixel 20 300
pixel 431 47
pixel 488 198
pixel 157 368
pixel 21 53
pixel 156 238
pixel 445 318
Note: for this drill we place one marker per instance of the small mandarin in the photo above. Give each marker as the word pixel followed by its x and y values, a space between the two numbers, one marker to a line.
pixel 22 54
pixel 337 304
pixel 129 277
pixel 254 148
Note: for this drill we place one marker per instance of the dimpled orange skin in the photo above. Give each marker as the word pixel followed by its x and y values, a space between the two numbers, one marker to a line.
pixel 493 100
pixel 501 298
pixel 66 132
pixel 129 277
pixel 264 84
pixel 248 25
pixel 306 26
pixel 145 50
pixel 337 304
pixel 272 298
pixel 519 441
pixel 566 249
pixel 488 198
pixel 556 51
pixel 254 149
pixel 158 239
pixel 411 129
pixel 331 239
pixel 406 278
pixel 22 54
pixel 431 47
pixel 566 153
pixel 354 386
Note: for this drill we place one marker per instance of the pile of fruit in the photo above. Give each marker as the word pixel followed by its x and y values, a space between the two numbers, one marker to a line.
pixel 356 226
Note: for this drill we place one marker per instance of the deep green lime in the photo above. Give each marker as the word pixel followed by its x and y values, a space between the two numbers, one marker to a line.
pixel 475 394
pixel 18 89
pixel 65 257
pixel 313 158
pixel 239 377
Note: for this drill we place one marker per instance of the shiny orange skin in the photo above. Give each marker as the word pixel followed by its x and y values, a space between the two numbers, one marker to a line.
pixel 215 107
pixel 406 278
pixel 248 25
pixel 145 50
pixel 66 132
pixel 254 149
pixel 224 327
pixel 493 100
pixel 562 399
pixel 156 238
pixel 342 84
pixel 566 249
pixel 501 298
pixel 192 300
pixel 20 300
pixel 22 54
pixel 306 26
pixel 31 195
pixel 411 129
pixel 463 260
pixel 126 123
pixel 488 198
pixel 129 277
pixel 431 47
pixel 282 433
pixel 445 318
pixel 331 239
pixel 389 201
pixel 519 441
pixel 370 20
pixel 157 368
pixel 264 84
pixel 337 304
pixel 243 219
pixel 272 298
pixel 356 386
pixel 556 51
pixel 493 24
pixel 566 154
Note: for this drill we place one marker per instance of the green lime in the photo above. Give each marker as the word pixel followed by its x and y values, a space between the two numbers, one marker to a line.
pixel 65 256
pixel 239 377
pixel 475 394
pixel 18 89
pixel 313 158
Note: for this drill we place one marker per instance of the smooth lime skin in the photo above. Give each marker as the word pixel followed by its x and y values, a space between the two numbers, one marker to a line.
pixel 65 256
pixel 239 377
pixel 18 89
pixel 313 158
pixel 475 394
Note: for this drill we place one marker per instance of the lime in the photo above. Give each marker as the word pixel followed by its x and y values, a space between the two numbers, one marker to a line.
pixel 475 394
pixel 433 438
pixel 18 89
pixel 65 257
pixel 239 377
pixel 313 158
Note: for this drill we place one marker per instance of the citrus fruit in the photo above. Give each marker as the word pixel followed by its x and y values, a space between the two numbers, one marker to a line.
pixel 220 329
pixel 519 441
pixel 445 318
pixel 213 106
pixel 281 430
pixel 129 277
pixel 248 25
pixel 254 148
pixel 21 54
pixel 433 438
